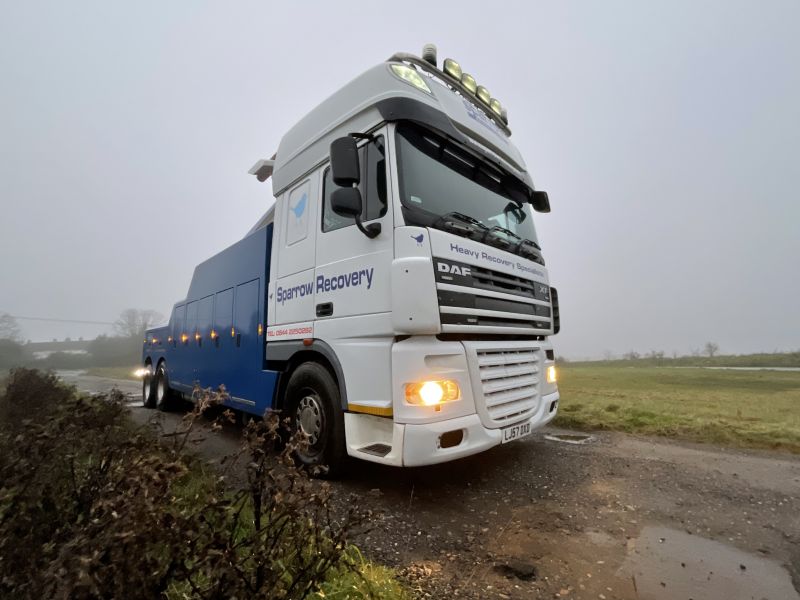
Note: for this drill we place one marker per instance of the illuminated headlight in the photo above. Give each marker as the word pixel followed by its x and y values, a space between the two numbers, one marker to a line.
pixel 468 81
pixel 496 107
pixel 141 373
pixel 411 76
pixel 551 374
pixel 431 393
pixel 484 95
pixel 452 68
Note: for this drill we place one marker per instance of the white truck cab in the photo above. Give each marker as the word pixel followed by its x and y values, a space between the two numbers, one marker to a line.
pixel 394 302
pixel 404 241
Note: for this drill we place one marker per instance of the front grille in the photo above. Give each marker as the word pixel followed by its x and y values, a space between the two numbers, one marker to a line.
pixel 510 383
pixel 456 273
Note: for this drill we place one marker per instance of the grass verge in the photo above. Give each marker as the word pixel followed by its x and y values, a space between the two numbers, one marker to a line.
pixel 754 409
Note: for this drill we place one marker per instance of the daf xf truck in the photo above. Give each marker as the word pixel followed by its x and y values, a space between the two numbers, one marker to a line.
pixel 394 302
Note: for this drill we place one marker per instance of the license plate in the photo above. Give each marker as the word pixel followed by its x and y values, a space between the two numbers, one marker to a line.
pixel 516 432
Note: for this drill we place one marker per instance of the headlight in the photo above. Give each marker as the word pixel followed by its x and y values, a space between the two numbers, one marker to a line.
pixel 431 393
pixel 410 75
pixel 551 375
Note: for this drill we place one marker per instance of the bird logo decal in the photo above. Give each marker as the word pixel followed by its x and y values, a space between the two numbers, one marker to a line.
pixel 418 238
pixel 299 208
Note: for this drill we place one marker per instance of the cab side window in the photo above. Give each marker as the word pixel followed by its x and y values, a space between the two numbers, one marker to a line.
pixel 372 157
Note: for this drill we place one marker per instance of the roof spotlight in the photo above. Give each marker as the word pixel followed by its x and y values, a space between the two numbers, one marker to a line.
pixel 496 107
pixel 504 115
pixel 452 68
pixel 484 95
pixel 468 81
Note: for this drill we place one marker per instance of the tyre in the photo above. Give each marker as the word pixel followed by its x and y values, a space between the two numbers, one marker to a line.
pixel 162 394
pixel 315 408
pixel 148 389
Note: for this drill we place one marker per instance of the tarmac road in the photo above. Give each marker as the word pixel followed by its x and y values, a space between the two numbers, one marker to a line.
pixel 617 517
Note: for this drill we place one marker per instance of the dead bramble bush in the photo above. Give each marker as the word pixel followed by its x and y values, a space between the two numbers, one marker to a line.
pixel 92 506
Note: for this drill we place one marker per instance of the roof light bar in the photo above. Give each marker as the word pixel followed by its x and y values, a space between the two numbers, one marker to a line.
pixel 468 81
pixel 484 95
pixel 452 68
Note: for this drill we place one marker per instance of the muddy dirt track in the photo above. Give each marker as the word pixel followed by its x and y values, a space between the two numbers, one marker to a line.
pixel 618 517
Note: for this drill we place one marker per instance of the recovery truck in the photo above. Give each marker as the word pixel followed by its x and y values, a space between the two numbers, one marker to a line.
pixel 393 303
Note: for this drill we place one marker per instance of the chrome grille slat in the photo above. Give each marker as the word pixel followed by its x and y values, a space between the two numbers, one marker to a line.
pixel 501 371
pixel 506 358
pixel 509 396
pixel 510 383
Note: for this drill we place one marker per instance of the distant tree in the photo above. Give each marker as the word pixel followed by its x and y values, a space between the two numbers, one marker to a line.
pixel 11 354
pixel 133 322
pixel 632 355
pixel 9 328
pixel 608 355
pixel 656 354
pixel 711 349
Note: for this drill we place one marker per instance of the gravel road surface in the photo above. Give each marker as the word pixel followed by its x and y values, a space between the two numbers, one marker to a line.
pixel 617 517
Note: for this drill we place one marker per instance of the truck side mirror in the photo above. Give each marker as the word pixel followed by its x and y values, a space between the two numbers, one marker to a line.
pixel 540 201
pixel 346 202
pixel 345 167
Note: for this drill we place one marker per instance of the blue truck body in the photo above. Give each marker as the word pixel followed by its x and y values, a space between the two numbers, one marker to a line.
pixel 216 335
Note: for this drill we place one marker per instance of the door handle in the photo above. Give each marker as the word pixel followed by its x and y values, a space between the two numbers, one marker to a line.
pixel 325 309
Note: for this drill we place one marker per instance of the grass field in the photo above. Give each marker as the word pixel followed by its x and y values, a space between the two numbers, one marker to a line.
pixel 756 409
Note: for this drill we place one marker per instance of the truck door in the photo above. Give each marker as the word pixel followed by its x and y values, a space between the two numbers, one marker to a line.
pixel 353 272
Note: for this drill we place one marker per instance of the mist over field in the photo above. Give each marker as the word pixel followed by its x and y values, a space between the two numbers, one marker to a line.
pixel 665 133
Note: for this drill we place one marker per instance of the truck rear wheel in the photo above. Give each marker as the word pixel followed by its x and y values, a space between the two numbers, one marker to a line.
pixel 162 394
pixel 148 390
pixel 315 409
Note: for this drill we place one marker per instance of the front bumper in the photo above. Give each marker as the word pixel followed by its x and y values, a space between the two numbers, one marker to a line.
pixel 414 445
pixel 422 443
pixel 423 435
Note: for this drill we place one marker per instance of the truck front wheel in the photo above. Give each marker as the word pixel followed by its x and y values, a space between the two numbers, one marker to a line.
pixel 315 410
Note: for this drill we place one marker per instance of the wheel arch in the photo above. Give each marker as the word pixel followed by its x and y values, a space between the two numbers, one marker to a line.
pixel 285 357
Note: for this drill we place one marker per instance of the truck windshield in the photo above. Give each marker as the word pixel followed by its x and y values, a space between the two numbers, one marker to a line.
pixel 438 178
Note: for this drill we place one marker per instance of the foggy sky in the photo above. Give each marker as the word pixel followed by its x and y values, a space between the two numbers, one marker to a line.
pixel 668 137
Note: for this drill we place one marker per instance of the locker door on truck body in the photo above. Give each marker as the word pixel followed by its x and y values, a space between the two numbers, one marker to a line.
pixel 244 376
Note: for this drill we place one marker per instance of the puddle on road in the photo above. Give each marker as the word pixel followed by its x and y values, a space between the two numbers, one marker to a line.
pixel 667 564
pixel 568 438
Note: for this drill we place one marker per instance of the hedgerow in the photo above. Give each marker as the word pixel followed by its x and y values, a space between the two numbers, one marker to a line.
pixel 93 506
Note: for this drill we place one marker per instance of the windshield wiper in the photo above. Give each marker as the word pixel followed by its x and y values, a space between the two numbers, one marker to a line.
pixel 460 224
pixel 522 247
pixel 491 237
